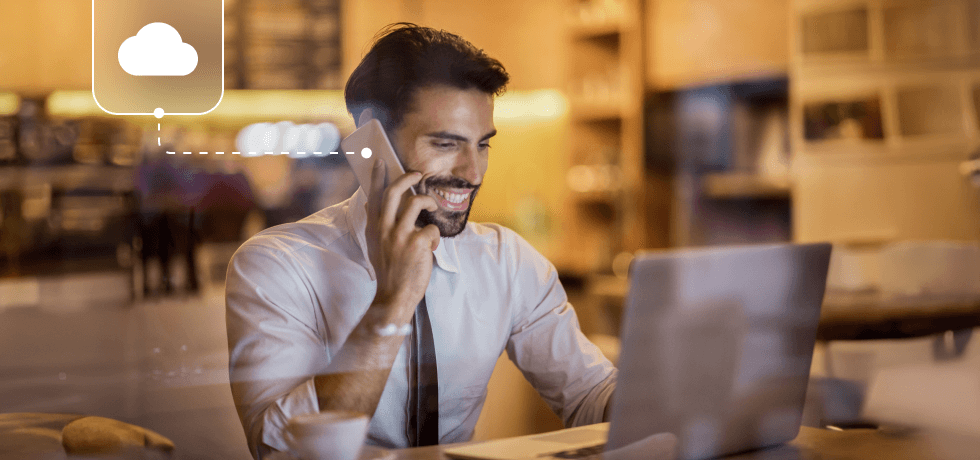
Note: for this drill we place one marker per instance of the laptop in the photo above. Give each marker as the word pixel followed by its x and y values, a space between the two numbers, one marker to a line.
pixel 716 349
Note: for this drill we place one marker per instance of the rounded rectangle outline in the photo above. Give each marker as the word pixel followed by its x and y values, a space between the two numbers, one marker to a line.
pixel 96 99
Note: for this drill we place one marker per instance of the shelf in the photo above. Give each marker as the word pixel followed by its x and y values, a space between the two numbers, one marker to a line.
pixel 744 185
pixel 870 35
pixel 605 57
pixel 101 177
pixel 607 197
pixel 589 30
pixel 596 110
pixel 899 150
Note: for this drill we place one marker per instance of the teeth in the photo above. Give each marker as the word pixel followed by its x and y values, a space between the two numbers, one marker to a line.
pixel 454 198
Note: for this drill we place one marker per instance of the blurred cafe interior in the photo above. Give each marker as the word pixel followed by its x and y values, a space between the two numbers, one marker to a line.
pixel 628 125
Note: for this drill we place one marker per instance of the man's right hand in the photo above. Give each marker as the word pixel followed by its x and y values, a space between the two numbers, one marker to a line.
pixel 400 253
pixel 402 259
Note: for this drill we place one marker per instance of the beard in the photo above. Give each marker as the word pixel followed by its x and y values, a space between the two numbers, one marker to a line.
pixel 449 223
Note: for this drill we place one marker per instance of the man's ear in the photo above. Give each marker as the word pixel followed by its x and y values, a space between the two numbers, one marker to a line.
pixel 366 116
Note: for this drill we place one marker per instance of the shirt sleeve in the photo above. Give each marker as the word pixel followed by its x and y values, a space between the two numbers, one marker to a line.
pixel 274 346
pixel 547 345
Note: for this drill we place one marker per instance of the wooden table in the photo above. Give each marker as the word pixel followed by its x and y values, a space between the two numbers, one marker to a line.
pixel 870 315
pixel 866 315
pixel 821 444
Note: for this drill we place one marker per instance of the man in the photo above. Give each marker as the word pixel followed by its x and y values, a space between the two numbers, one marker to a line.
pixel 328 313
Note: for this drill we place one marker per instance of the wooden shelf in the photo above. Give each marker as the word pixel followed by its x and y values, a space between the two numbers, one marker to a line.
pixel 744 185
pixel 102 177
pixel 596 110
pixel 605 54
pixel 597 197
pixel 589 30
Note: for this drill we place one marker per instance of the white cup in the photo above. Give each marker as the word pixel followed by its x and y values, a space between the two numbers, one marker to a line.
pixel 334 435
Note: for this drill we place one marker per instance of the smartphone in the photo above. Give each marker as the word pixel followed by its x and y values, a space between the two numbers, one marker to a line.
pixel 372 136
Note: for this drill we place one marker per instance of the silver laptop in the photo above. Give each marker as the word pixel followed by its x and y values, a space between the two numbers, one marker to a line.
pixel 717 345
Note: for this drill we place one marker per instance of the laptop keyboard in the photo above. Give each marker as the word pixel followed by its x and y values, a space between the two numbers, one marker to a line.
pixel 580 453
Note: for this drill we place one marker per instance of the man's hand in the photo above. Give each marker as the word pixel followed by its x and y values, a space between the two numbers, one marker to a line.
pixel 400 253
pixel 402 259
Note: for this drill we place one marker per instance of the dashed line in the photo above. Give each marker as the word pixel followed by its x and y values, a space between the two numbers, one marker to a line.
pixel 257 153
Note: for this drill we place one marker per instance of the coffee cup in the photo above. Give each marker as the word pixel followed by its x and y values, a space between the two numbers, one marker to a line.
pixel 334 435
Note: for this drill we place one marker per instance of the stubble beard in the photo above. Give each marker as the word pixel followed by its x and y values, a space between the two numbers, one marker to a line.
pixel 449 223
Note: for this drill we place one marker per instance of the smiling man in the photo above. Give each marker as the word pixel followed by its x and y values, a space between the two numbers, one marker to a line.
pixel 448 135
pixel 391 304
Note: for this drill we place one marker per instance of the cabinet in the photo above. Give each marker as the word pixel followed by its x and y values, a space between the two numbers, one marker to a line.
pixel 884 109
pixel 605 177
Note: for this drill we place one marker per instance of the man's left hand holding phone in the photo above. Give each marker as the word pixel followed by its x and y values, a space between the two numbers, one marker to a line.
pixel 401 256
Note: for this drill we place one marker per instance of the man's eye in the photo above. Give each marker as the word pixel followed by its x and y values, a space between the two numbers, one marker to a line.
pixel 444 145
pixel 484 146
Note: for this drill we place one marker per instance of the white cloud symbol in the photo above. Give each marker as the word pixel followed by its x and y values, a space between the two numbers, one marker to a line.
pixel 157 50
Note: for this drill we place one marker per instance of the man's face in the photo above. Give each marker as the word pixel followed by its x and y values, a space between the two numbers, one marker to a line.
pixel 445 136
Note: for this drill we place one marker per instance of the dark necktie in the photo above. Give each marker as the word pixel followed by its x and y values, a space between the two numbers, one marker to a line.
pixel 423 384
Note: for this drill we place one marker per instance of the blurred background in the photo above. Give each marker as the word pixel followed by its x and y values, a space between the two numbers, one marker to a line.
pixel 628 125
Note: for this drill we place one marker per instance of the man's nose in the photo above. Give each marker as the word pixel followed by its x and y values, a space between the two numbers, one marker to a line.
pixel 470 165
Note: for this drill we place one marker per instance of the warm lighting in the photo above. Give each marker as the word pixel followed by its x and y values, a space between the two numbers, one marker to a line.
pixel 265 104
pixel 282 104
pixel 538 105
pixel 73 104
pixel 298 141
pixel 9 103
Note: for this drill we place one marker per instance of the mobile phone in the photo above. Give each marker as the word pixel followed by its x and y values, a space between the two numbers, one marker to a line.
pixel 371 136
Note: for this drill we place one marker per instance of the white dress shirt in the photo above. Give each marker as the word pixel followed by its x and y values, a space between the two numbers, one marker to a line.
pixel 296 291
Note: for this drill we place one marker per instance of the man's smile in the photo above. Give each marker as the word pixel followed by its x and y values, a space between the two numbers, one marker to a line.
pixel 452 199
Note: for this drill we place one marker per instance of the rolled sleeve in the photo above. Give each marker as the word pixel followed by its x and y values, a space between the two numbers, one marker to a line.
pixel 301 400
pixel 274 343
pixel 549 348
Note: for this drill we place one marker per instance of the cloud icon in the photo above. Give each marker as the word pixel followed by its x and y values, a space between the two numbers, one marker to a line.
pixel 157 50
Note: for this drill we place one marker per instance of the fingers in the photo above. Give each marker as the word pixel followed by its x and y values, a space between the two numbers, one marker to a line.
pixel 433 234
pixel 392 199
pixel 410 213
pixel 427 238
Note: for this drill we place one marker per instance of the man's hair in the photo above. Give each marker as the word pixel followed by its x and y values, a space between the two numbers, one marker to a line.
pixel 406 57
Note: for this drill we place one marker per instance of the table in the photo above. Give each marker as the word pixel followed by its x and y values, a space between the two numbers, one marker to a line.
pixel 862 315
pixel 870 315
pixel 823 444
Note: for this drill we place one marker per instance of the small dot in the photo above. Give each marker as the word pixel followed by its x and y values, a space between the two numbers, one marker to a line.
pixel 366 152
pixel 158 112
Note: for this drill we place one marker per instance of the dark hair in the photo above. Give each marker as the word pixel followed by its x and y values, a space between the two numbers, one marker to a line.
pixel 406 57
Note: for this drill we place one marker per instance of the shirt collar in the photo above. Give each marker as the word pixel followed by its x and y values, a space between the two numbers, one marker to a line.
pixel 445 255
